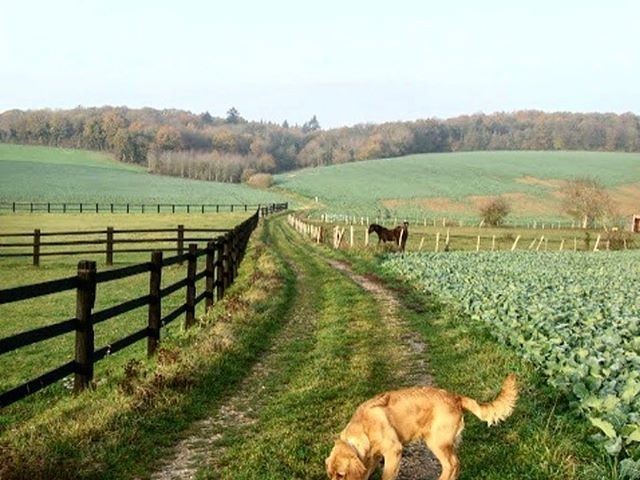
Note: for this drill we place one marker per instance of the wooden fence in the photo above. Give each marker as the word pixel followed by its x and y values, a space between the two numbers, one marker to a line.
pixel 33 244
pixel 83 207
pixel 350 236
pixel 447 222
pixel 222 258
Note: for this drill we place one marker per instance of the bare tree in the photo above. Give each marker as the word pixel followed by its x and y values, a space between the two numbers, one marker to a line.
pixel 586 200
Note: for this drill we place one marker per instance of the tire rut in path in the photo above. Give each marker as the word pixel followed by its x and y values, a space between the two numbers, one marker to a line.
pixel 417 463
pixel 190 454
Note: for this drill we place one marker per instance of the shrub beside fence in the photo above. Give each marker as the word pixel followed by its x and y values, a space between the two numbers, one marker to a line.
pixel 222 258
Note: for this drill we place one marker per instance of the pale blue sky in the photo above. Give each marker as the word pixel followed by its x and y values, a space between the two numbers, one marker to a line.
pixel 346 62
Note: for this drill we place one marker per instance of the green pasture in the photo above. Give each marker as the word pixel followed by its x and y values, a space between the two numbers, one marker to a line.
pixel 322 345
pixel 47 174
pixel 361 188
pixel 29 362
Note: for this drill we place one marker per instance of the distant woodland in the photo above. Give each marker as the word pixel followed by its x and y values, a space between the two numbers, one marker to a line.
pixel 232 149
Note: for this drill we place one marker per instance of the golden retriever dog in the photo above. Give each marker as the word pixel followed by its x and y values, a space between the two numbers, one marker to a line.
pixel 381 426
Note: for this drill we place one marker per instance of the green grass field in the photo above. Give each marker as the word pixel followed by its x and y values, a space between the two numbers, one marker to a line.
pixel 46 174
pixel 124 427
pixel 453 184
pixel 334 349
pixel 29 362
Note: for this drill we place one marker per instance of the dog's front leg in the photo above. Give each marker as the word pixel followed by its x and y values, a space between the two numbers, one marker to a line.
pixel 391 464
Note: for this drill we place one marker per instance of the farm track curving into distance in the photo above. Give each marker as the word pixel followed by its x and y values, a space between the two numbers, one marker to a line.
pixel 335 311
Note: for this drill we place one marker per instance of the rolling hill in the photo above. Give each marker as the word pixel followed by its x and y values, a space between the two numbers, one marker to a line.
pixel 455 184
pixel 47 174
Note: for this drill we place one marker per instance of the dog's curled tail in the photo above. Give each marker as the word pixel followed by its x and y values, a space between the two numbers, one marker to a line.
pixel 500 408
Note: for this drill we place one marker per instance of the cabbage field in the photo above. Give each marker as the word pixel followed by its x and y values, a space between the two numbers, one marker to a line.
pixel 573 315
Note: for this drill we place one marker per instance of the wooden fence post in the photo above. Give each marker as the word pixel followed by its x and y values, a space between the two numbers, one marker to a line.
pixel 155 302
pixel 235 253
pixel 85 299
pixel 515 242
pixel 109 245
pixel 190 318
pixel 232 256
pixel 180 241
pixel 209 276
pixel 219 270
pixel 226 259
pixel 36 247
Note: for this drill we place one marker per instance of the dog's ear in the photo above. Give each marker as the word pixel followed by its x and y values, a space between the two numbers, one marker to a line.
pixel 357 468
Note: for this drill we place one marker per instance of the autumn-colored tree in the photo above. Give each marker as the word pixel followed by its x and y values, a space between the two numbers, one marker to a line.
pixel 495 211
pixel 130 147
pixel 168 138
pixel 224 147
pixel 93 135
pixel 587 200
pixel 113 121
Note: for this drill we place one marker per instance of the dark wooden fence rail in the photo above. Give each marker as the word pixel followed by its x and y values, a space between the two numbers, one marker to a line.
pixel 37 240
pixel 223 256
pixel 83 207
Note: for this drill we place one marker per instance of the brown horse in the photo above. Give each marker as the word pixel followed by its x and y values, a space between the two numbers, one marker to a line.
pixel 398 235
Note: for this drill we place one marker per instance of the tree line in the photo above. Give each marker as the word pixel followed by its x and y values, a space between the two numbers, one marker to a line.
pixel 232 149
